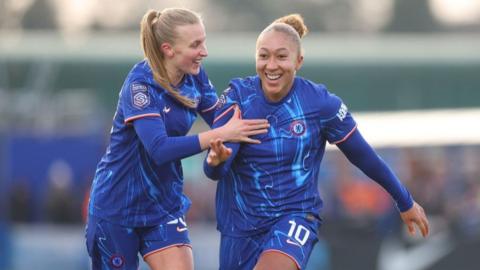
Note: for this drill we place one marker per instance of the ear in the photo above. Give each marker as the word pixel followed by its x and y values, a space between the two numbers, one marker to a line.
pixel 299 62
pixel 167 50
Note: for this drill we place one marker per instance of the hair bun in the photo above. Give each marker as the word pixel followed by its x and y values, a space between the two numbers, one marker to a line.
pixel 296 21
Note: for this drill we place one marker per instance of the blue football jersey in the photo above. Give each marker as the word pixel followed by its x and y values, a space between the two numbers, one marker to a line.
pixel 129 188
pixel 279 176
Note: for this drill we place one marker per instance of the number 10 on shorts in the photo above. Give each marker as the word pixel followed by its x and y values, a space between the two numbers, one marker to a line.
pixel 301 233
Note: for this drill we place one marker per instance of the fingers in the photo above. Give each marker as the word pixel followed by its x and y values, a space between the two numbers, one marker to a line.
pixel 237 113
pixel 411 228
pixel 249 140
pixel 256 122
pixel 256 132
pixel 423 224
pixel 415 217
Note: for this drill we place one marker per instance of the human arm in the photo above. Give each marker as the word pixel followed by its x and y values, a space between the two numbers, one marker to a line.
pixel 163 148
pixel 219 159
pixel 235 130
pixel 362 155
pixel 221 155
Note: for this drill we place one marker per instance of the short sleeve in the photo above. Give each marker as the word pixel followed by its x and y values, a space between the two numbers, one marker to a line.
pixel 340 125
pixel 137 101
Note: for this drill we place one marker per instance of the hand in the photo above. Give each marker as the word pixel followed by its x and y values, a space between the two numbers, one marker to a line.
pixel 218 152
pixel 239 130
pixel 416 216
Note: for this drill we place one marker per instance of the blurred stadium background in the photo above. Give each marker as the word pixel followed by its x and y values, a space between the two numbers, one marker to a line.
pixel 409 70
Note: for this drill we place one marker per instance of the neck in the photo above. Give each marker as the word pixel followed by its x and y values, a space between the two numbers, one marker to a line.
pixel 175 76
pixel 276 97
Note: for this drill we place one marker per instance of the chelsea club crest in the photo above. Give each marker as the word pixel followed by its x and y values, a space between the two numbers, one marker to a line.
pixel 298 128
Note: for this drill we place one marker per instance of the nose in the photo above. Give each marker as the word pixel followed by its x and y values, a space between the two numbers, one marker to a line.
pixel 271 63
pixel 204 51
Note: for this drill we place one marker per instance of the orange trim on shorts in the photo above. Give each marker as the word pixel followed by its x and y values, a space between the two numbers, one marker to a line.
pixel 284 253
pixel 161 249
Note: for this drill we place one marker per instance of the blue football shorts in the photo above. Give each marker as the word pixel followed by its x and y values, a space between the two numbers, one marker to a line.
pixel 293 236
pixel 112 246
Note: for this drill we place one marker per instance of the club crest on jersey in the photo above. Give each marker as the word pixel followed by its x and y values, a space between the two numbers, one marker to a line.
pixel 117 261
pixel 298 128
pixel 140 97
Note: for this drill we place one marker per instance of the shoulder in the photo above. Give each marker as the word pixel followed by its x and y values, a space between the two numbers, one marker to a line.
pixel 139 83
pixel 320 96
pixel 243 86
pixel 139 74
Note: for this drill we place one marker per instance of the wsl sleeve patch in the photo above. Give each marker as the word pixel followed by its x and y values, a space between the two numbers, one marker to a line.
pixel 140 96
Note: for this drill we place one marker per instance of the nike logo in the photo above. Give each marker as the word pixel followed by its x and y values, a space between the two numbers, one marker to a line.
pixel 393 256
pixel 181 229
pixel 293 243
pixel 166 109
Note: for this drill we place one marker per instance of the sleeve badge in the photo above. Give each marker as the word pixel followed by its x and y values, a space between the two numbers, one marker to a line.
pixel 140 96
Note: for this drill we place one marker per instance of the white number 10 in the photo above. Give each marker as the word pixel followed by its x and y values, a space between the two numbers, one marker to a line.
pixel 298 231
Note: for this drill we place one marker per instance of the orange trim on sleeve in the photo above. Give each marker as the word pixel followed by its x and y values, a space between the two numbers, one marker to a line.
pixel 283 253
pixel 346 136
pixel 140 116
pixel 225 112
pixel 211 108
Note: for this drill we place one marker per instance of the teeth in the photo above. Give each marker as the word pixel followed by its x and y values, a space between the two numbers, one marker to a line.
pixel 272 76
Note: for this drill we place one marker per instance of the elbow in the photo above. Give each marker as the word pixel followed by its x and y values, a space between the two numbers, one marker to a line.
pixel 212 176
pixel 212 173
pixel 157 153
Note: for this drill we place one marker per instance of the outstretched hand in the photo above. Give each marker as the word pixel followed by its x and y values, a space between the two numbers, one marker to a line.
pixel 415 216
pixel 218 152
pixel 239 130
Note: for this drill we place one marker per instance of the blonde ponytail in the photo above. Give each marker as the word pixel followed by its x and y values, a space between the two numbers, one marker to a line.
pixel 157 28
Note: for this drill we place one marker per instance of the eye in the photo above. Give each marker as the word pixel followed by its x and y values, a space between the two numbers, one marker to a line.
pixel 262 56
pixel 282 56
pixel 195 44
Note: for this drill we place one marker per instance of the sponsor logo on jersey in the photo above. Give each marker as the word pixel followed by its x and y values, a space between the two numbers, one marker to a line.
pixel 140 97
pixel 181 229
pixel 166 109
pixel 117 261
pixel 298 128
pixel 342 112
pixel 179 221
pixel 137 87
pixel 223 98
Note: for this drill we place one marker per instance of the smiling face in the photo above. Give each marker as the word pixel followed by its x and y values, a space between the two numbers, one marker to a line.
pixel 187 52
pixel 277 60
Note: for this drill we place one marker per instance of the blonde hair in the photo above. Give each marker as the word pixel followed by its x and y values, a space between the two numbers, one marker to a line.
pixel 157 28
pixel 291 25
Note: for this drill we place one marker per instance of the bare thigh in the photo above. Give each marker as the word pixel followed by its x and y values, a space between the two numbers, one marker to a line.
pixel 275 260
pixel 176 257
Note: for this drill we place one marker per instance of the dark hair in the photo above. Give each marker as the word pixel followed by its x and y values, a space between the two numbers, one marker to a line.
pixel 291 25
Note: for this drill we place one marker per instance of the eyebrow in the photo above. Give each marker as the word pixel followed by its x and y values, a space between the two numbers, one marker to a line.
pixel 277 50
pixel 200 40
